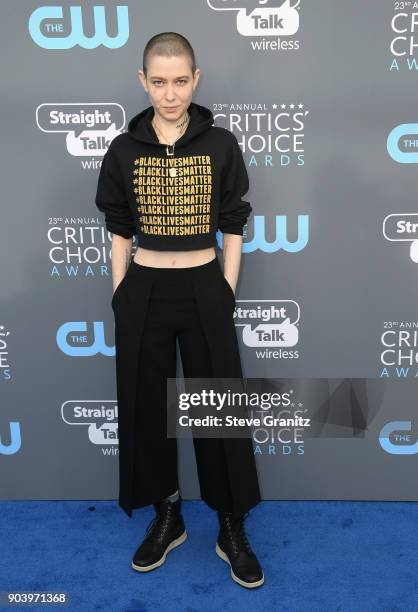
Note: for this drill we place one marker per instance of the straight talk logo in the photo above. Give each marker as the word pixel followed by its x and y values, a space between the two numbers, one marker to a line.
pixel 264 19
pixel 403 227
pixel 269 326
pixel 99 417
pixel 88 127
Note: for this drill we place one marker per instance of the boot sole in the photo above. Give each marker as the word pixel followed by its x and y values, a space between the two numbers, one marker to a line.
pixel 172 545
pixel 248 585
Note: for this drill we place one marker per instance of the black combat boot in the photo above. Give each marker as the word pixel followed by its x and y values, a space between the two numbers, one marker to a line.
pixel 165 531
pixel 233 547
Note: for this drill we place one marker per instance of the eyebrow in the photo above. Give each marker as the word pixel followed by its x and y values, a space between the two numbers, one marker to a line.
pixel 163 79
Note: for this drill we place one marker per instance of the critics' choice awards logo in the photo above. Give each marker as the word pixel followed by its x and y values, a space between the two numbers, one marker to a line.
pixel 270 327
pixel 276 440
pixel 399 354
pixel 404 42
pixel 262 20
pixel 58 27
pixel 78 247
pixel 99 417
pixel 89 127
pixel 269 135
pixel 394 440
pixel 403 227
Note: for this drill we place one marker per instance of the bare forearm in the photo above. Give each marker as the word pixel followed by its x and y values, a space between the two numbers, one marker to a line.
pixel 231 253
pixel 121 254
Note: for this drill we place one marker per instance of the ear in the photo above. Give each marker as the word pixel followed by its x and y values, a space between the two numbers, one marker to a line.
pixel 196 77
pixel 142 79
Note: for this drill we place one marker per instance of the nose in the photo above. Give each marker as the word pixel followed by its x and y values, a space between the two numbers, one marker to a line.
pixel 169 94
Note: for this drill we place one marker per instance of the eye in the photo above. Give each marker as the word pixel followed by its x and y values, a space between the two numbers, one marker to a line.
pixel 158 81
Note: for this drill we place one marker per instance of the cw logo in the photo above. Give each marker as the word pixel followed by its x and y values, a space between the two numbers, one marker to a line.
pixel 408 132
pixel 402 448
pixel 75 331
pixel 50 14
pixel 15 440
pixel 281 242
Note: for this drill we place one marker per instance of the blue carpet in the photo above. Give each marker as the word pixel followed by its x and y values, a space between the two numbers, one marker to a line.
pixel 325 556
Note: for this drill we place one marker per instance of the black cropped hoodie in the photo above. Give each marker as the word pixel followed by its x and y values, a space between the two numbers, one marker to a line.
pixel 174 201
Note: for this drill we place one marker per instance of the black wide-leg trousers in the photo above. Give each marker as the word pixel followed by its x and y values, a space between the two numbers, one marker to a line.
pixel 154 307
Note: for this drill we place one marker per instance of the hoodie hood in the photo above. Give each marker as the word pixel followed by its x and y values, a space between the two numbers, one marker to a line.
pixel 140 127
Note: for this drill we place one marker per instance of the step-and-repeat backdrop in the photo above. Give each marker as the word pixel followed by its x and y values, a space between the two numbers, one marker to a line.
pixel 322 98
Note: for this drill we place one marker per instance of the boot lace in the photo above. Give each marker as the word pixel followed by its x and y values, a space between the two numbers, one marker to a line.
pixel 236 533
pixel 159 525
